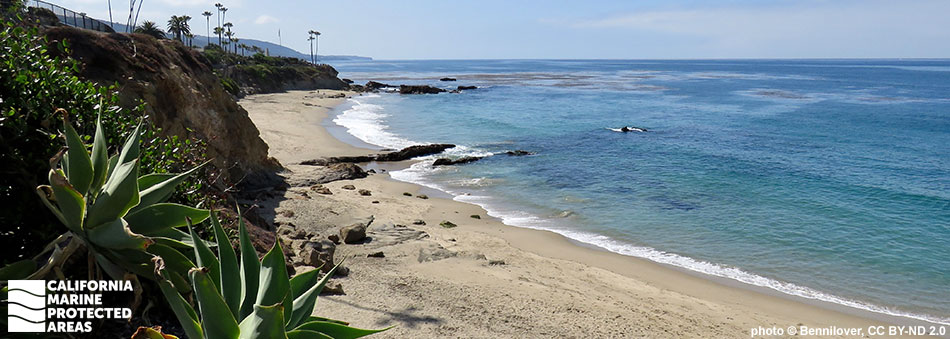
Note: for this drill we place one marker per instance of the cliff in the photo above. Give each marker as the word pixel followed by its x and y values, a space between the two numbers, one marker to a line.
pixel 181 92
pixel 246 75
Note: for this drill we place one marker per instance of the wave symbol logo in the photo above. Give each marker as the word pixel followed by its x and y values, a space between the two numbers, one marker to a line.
pixel 26 306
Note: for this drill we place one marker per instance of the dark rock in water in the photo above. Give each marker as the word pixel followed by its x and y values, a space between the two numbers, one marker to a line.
pixel 414 151
pixel 373 85
pixel 419 89
pixel 348 81
pixel 353 234
pixel 519 153
pixel 462 88
pixel 447 161
pixel 447 79
pixel 376 255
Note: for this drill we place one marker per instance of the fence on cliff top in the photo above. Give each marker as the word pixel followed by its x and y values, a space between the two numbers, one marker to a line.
pixel 68 17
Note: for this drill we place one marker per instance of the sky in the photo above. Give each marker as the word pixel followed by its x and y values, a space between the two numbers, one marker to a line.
pixel 554 29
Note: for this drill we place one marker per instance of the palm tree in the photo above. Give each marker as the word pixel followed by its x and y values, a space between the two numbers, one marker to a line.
pixel 150 28
pixel 207 15
pixel 219 31
pixel 218 6
pixel 230 37
pixel 191 39
pixel 311 39
pixel 178 25
pixel 314 35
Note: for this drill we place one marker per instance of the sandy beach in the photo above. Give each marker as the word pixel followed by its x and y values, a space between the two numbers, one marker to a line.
pixel 484 279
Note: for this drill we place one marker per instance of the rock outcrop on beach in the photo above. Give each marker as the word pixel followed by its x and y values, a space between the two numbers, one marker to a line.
pixel 419 89
pixel 413 152
pixel 254 79
pixel 183 95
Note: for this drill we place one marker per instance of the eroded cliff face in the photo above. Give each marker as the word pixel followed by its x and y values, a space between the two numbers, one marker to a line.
pixel 182 94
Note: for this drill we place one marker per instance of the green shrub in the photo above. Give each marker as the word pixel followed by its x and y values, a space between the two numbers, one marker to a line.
pixel 33 85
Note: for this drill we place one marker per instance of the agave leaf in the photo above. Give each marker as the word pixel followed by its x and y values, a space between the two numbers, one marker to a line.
pixel 335 330
pixel 186 315
pixel 111 269
pixel 113 163
pixel 116 235
pixel 100 159
pixel 176 238
pixel 250 270
pixel 315 318
pixel 121 193
pixel 42 192
pixel 80 166
pixel 130 151
pixel 71 204
pixel 151 179
pixel 177 264
pixel 264 322
pixel 275 284
pixel 205 258
pixel 303 281
pixel 18 270
pixel 305 334
pixel 160 192
pixel 304 304
pixel 230 273
pixel 159 217
pixel 216 318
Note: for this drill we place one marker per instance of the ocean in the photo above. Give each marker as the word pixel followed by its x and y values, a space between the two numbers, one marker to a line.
pixel 825 179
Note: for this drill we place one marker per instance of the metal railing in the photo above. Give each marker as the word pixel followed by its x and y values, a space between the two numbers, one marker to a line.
pixel 68 17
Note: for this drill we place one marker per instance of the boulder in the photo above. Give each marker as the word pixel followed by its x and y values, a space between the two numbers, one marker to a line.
pixel 347 81
pixel 419 89
pixel 475 216
pixel 462 88
pixel 334 238
pixel 323 190
pixel 317 254
pixel 373 85
pixel 414 151
pixel 376 255
pixel 422 196
pixel 365 192
pixel 333 288
pixel 348 187
pixel 418 222
pixel 447 161
pixel 519 153
pixel 496 262
pixel 447 79
pixel 353 234
pixel 447 224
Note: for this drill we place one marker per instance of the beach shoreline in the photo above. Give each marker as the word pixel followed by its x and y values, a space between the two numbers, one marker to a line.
pixel 613 294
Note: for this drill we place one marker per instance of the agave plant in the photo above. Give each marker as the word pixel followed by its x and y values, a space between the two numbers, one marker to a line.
pixel 253 299
pixel 108 208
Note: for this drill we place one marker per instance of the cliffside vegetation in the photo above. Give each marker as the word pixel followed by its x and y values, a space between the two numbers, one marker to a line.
pixel 244 75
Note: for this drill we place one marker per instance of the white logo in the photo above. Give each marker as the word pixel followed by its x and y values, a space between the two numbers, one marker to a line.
pixel 26 306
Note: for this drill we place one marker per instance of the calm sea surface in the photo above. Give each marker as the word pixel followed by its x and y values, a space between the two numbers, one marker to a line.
pixel 825 179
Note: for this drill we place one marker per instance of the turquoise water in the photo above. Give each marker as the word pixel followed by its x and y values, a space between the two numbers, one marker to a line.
pixel 823 179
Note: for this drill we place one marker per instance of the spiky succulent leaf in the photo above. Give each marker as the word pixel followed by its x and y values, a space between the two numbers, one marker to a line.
pixel 79 163
pixel 303 281
pixel 303 305
pixel 186 315
pixel 116 235
pixel 18 270
pixel 160 217
pixel 206 258
pixel 304 334
pixel 160 191
pixel 264 322
pixel 100 159
pixel 151 179
pixel 250 270
pixel 315 318
pixel 130 151
pixel 274 282
pixel 336 331
pixel 71 204
pixel 176 238
pixel 216 319
pixel 230 273
pixel 119 195
pixel 177 264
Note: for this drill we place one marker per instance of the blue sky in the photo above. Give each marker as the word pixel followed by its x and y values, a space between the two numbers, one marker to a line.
pixel 491 29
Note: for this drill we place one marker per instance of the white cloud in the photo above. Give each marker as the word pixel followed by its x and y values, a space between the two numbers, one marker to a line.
pixel 265 19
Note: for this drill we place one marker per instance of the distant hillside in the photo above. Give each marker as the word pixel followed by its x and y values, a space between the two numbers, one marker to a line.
pixel 272 48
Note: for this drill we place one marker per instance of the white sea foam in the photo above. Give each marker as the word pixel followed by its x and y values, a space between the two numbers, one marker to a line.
pixel 367 122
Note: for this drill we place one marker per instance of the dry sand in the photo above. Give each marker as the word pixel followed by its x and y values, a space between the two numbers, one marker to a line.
pixel 484 279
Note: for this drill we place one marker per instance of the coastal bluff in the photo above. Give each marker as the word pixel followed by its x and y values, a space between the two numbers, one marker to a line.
pixel 183 95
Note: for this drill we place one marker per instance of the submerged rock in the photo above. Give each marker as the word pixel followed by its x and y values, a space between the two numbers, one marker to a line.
pixel 462 88
pixel 414 151
pixel 447 79
pixel 519 152
pixel 447 161
pixel 419 89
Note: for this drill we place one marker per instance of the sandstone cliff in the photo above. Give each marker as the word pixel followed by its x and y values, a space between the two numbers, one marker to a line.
pixel 182 94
